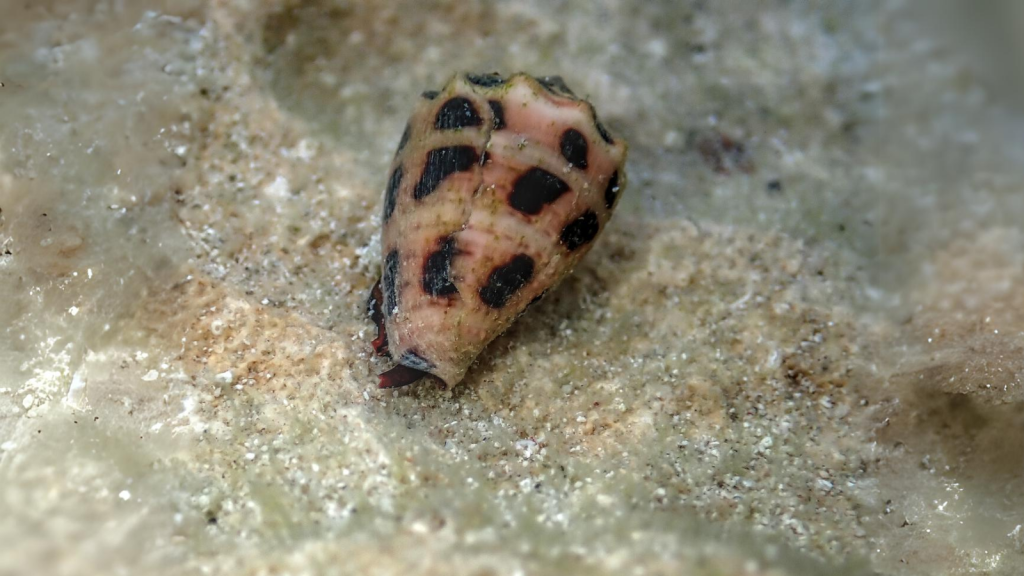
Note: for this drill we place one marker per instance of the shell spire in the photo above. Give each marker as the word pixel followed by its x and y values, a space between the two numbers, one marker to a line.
pixel 498 188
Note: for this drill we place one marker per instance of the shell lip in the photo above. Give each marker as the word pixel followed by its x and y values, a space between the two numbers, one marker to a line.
pixel 411 367
pixel 399 376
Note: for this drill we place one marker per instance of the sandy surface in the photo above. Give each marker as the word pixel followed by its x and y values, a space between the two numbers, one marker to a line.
pixel 797 349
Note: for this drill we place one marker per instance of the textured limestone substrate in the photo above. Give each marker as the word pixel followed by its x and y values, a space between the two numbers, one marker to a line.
pixel 796 349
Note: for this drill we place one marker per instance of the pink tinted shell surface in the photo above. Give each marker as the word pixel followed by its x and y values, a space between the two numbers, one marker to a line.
pixel 498 188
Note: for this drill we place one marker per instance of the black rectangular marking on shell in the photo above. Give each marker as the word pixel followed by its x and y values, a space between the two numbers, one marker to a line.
pixel 404 139
pixel 391 192
pixel 437 269
pixel 580 231
pixel 389 279
pixel 506 280
pixel 612 191
pixel 555 84
pixel 534 189
pixel 499 114
pixel 457 113
pixel 442 163
pixel 574 148
pixel 488 80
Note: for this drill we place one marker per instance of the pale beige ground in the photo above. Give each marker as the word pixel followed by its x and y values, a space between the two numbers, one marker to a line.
pixel 797 349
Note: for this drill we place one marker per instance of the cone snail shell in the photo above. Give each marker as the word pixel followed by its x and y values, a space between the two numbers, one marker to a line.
pixel 498 188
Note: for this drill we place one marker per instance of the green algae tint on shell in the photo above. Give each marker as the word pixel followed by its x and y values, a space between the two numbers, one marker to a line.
pixel 498 188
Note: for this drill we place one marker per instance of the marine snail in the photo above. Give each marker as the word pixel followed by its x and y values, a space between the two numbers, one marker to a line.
pixel 499 187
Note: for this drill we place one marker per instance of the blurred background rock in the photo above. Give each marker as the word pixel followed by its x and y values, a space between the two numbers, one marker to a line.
pixel 796 350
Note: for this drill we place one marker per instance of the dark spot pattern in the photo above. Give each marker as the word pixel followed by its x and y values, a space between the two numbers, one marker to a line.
pixel 574 148
pixel 486 80
pixel 504 281
pixel 404 140
pixel 457 113
pixel 499 114
pixel 534 189
pixel 389 280
pixel 430 94
pixel 437 269
pixel 556 85
pixel 391 193
pixel 603 131
pixel 580 231
pixel 442 163
pixel 612 191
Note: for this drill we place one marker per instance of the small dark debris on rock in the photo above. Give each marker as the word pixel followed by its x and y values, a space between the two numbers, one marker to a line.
pixel 721 152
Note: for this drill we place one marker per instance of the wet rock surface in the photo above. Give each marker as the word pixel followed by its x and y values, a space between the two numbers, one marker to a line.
pixel 796 348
